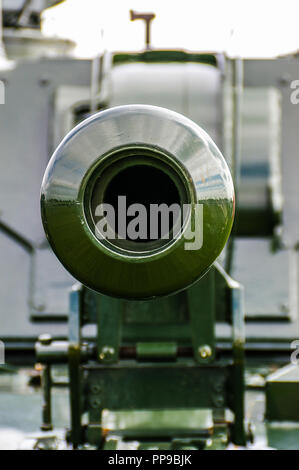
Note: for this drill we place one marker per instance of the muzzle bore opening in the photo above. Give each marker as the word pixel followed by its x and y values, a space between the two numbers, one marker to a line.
pixel 137 202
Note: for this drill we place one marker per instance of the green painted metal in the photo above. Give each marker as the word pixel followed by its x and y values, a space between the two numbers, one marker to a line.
pixel 162 351
pixel 201 300
pixel 164 56
pixel 158 355
pixel 108 329
pixel 76 398
pixel 151 422
pixel 198 170
pixel 237 385
pixel 165 429
pixel 156 378
pixel 169 382
pixel 166 385
pixel 163 267
pixel 282 391
pixel 74 360
pixel 256 222
pixel 47 399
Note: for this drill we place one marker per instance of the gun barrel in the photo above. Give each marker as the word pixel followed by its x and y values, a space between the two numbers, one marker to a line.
pixel 137 202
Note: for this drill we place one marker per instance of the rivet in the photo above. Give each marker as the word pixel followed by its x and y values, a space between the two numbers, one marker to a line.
pixel 205 351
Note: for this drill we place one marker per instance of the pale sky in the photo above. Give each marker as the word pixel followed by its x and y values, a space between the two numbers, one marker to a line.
pixel 253 28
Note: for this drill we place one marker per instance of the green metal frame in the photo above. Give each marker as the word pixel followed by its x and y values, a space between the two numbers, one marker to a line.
pixel 133 365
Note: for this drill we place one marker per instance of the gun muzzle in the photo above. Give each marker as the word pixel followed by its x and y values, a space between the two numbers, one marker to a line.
pixel 137 202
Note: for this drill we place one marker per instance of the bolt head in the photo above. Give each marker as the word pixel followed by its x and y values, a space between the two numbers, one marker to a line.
pixel 95 388
pixel 95 403
pixel 45 339
pixel 205 351
pixel 107 352
pixel 218 401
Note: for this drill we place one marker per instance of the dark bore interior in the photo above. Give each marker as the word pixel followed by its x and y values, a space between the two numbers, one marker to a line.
pixel 146 185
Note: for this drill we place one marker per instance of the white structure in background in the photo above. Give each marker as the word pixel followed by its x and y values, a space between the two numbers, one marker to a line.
pixel 2 92
pixel 2 353
pixel 2 59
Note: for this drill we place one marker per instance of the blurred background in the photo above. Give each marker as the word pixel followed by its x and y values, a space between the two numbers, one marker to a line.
pixel 246 29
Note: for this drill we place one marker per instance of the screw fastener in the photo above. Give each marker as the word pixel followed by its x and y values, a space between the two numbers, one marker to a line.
pixel 95 388
pixel 205 351
pixel 95 403
pixel 45 339
pixel 107 353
